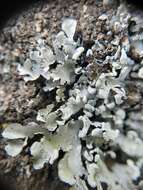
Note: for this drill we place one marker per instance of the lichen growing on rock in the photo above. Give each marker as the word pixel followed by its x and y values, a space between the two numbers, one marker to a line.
pixel 86 120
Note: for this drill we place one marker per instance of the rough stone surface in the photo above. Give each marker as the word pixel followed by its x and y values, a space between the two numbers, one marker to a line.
pixel 19 102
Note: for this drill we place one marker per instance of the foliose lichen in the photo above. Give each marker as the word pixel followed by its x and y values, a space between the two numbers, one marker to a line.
pixel 86 121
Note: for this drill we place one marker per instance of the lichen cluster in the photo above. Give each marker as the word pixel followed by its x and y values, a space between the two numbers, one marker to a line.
pixel 90 119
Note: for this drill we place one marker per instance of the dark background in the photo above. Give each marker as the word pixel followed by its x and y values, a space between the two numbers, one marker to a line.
pixel 10 7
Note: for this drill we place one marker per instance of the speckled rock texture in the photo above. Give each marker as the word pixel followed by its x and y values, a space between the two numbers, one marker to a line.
pixel 20 101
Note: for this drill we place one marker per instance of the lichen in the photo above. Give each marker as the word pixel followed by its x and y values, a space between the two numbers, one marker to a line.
pixel 86 119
